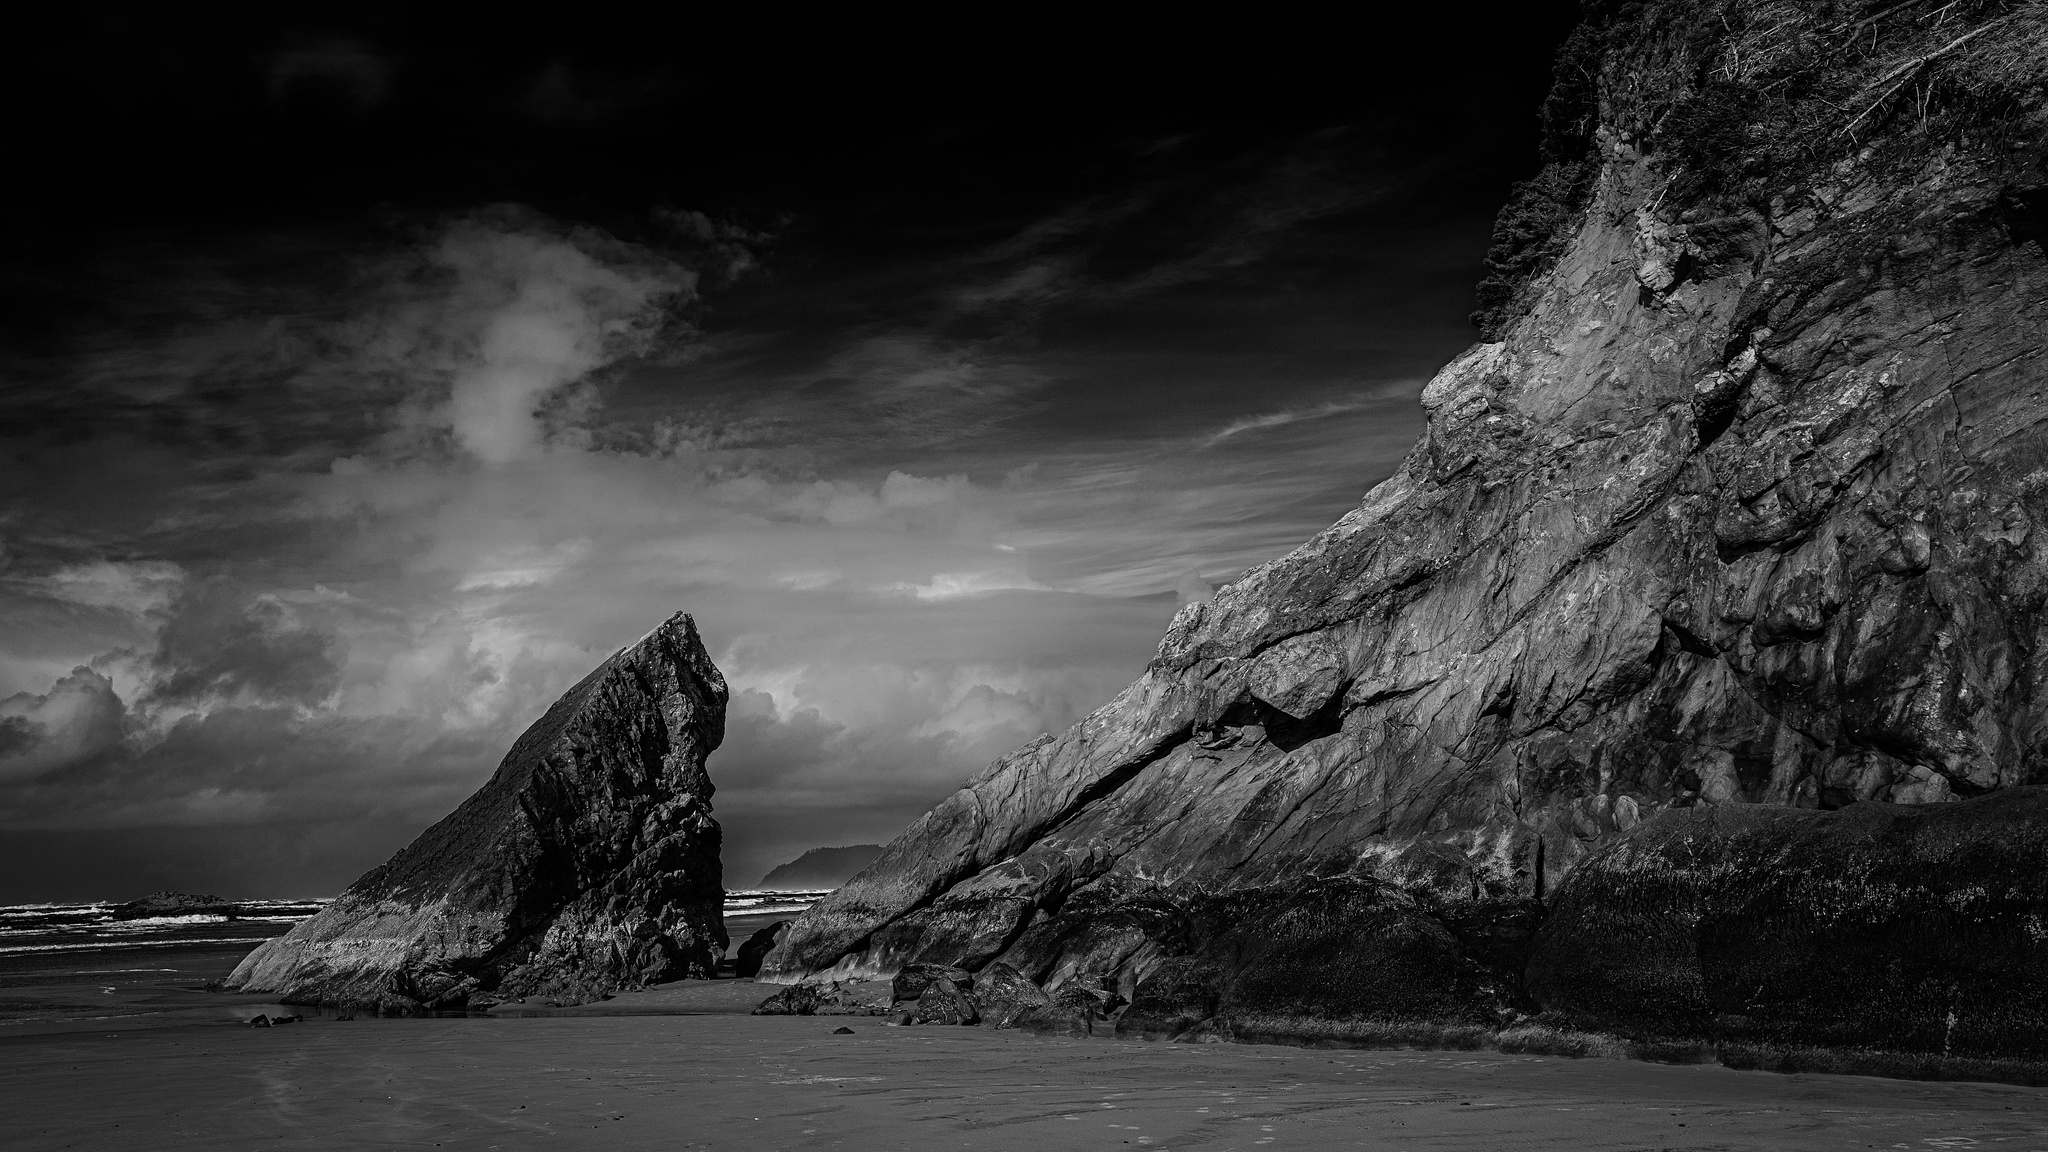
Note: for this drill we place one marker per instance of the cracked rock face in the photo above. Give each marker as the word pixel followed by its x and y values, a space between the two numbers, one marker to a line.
pixel 1742 511
pixel 588 864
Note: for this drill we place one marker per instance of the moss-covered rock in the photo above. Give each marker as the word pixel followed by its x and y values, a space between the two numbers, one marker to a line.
pixel 1909 928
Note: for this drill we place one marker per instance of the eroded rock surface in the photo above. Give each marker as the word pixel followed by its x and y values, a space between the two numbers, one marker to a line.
pixel 588 864
pixel 1738 509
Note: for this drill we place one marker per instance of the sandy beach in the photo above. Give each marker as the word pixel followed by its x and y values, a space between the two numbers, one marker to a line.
pixel 681 1067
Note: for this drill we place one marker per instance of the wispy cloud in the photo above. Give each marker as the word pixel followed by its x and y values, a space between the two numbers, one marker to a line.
pixel 1279 419
pixel 1107 249
pixel 506 310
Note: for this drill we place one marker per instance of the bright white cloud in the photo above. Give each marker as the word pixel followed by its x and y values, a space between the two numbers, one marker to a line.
pixel 1279 419
pixel 511 312
pixel 77 718
pixel 136 586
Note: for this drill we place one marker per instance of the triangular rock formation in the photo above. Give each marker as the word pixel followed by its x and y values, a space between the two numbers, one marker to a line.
pixel 588 863
pixel 1737 504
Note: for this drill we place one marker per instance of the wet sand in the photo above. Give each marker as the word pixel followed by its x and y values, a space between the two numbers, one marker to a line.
pixel 595 1078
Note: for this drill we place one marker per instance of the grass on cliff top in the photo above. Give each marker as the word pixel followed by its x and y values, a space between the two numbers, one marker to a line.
pixel 1745 100
pixel 1775 90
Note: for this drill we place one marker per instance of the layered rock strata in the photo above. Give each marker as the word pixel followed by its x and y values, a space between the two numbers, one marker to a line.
pixel 1736 506
pixel 588 864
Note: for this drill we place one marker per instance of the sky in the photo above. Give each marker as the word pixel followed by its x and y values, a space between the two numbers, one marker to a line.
pixel 366 379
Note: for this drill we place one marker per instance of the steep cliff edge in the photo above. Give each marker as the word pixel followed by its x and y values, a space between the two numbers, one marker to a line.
pixel 1736 505
pixel 588 863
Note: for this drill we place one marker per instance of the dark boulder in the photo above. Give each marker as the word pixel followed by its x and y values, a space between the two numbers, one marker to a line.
pixel 795 1000
pixel 911 982
pixel 1006 995
pixel 1909 928
pixel 829 999
pixel 1072 1010
pixel 748 962
pixel 944 1002
pixel 586 865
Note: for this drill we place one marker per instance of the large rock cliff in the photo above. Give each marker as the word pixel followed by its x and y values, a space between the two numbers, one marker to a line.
pixel 1734 505
pixel 588 863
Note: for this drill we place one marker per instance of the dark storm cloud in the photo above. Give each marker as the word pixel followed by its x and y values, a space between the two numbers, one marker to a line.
pixel 564 95
pixel 1182 229
pixel 237 766
pixel 345 71
pixel 18 734
pixel 220 644
pixel 78 719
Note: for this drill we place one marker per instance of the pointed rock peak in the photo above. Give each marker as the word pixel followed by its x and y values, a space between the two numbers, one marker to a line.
pixel 587 864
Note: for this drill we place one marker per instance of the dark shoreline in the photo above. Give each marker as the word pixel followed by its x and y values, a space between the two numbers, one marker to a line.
pixel 1542 1040
pixel 790 1082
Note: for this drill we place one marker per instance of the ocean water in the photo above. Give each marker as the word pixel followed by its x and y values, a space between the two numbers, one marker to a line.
pixel 75 965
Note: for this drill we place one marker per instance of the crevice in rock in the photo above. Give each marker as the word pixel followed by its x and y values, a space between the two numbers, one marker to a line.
pixel 1715 419
pixel 1111 781
pixel 1690 641
pixel 1287 732
pixel 2026 216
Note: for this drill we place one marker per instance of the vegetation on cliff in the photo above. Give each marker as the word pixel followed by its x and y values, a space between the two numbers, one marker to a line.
pixel 1742 102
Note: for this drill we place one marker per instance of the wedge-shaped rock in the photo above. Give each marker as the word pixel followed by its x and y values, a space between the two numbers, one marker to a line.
pixel 589 862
